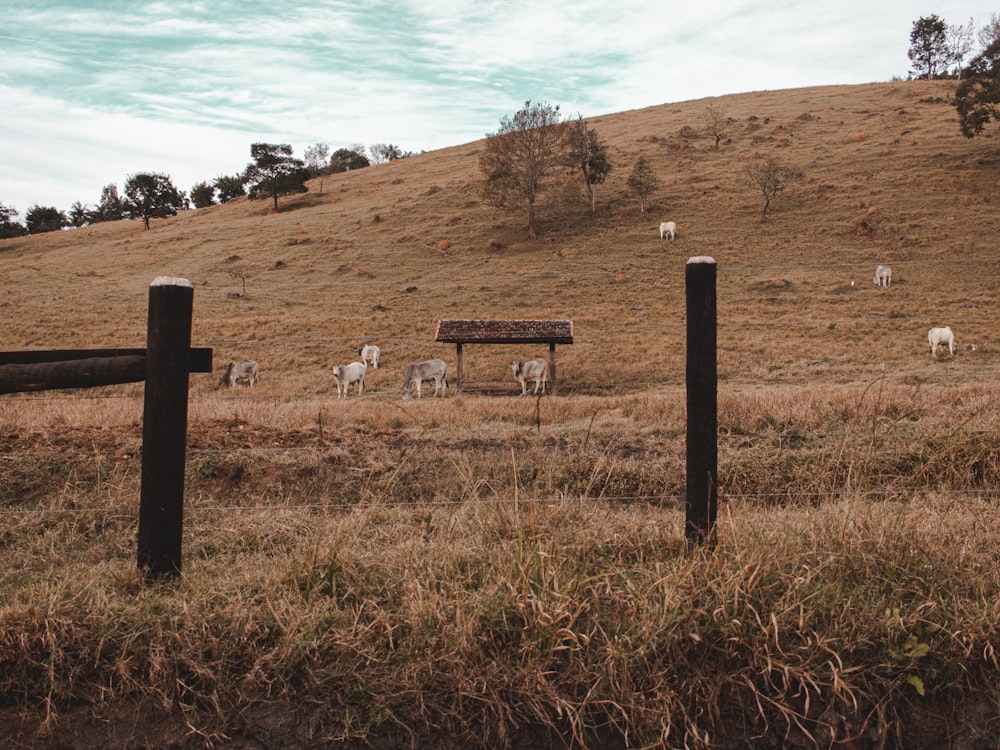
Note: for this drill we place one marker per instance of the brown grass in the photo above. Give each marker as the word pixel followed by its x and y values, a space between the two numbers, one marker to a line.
pixel 486 570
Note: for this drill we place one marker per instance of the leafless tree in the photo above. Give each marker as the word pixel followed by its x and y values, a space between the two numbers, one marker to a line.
pixel 960 42
pixel 715 121
pixel 770 178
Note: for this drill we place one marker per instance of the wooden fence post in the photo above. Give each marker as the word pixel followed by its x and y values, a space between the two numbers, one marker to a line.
pixel 702 401
pixel 164 427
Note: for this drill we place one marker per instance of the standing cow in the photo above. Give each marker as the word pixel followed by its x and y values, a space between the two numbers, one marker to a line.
pixel 533 369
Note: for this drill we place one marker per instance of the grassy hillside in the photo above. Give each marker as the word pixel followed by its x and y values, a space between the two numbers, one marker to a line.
pixel 486 570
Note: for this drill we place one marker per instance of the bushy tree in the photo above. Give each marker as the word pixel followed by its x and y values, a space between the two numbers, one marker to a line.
pixel 8 226
pixel 642 181
pixel 151 194
pixel 522 155
pixel 977 97
pixel 203 195
pixel 274 172
pixel 110 208
pixel 588 155
pixel 346 159
pixel 770 177
pixel 229 187
pixel 40 219
pixel 929 47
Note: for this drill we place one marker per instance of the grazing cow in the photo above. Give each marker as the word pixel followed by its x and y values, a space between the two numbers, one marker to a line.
pixel 240 372
pixel 883 276
pixel 668 227
pixel 432 369
pixel 347 374
pixel 939 337
pixel 537 369
pixel 369 354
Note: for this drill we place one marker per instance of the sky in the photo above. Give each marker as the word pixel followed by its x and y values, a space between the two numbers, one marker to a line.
pixel 92 92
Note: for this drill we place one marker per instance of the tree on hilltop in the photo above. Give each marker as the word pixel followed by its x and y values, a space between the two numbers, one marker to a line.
pixel 977 98
pixel 346 159
pixel 110 208
pixel 203 195
pixel 521 156
pixel 40 219
pixel 79 215
pixel 929 47
pixel 151 194
pixel 8 227
pixel 274 172
pixel 229 187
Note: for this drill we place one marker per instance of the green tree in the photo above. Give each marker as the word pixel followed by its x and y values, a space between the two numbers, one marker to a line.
pixel 770 177
pixel 79 215
pixel 8 226
pixel 977 98
pixel 203 195
pixel 229 187
pixel 521 156
pixel 111 207
pixel 588 155
pixel 41 219
pixel 274 172
pixel 346 159
pixel 929 47
pixel 151 194
pixel 642 181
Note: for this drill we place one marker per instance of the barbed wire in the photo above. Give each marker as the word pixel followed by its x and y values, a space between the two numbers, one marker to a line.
pixel 678 501
pixel 495 278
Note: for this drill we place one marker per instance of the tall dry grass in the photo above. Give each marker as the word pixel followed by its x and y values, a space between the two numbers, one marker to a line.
pixel 486 571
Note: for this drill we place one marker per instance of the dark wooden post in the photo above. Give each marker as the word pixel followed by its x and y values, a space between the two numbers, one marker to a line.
pixel 164 427
pixel 702 401
pixel 458 367
pixel 552 367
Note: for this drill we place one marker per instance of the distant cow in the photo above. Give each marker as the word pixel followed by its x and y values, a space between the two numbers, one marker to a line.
pixel 536 369
pixel 240 372
pixel 415 374
pixel 939 337
pixel 668 227
pixel 369 354
pixel 347 374
pixel 883 276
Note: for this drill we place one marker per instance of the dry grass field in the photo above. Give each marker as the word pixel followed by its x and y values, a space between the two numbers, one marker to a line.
pixel 486 570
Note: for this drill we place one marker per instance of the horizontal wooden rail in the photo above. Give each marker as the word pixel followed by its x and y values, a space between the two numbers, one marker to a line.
pixel 81 368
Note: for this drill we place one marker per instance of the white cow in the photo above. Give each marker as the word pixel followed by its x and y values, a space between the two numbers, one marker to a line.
pixel 369 354
pixel 939 337
pixel 347 374
pixel 432 369
pixel 240 372
pixel 883 276
pixel 537 369
pixel 668 227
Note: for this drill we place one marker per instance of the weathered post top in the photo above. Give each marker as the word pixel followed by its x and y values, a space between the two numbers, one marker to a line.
pixel 701 259
pixel 171 281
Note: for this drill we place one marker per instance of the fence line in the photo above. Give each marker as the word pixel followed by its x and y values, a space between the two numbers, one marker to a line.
pixel 409 281
pixel 403 504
